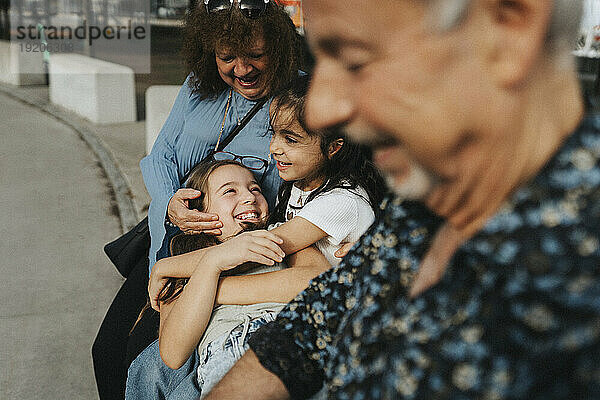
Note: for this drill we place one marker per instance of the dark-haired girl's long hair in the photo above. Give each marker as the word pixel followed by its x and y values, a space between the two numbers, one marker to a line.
pixel 349 168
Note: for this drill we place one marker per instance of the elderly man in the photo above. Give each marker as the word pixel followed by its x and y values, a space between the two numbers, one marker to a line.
pixel 478 102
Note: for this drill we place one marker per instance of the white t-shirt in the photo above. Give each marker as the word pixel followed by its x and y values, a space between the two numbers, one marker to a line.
pixel 344 214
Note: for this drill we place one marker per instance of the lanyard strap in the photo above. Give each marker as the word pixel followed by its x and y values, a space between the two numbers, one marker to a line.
pixel 220 146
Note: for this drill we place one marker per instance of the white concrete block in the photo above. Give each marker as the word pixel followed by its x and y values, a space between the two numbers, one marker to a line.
pixel 19 67
pixel 98 90
pixel 159 101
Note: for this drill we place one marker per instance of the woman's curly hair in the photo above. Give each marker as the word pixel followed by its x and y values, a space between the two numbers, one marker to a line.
pixel 284 47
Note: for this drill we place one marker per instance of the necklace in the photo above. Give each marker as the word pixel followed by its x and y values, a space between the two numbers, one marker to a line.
pixel 237 115
pixel 302 196
pixel 224 117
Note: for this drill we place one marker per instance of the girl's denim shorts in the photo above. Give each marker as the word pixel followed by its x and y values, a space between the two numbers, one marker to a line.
pixel 220 354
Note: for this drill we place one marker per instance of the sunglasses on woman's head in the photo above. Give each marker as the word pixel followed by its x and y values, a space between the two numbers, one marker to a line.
pixel 249 8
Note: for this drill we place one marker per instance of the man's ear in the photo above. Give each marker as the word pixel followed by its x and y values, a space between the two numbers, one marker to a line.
pixel 518 32
pixel 334 147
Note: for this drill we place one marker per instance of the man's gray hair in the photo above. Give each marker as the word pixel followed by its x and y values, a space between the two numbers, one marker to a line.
pixel 562 33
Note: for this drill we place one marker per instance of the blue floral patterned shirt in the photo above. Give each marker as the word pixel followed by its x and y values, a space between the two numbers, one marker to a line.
pixel 517 314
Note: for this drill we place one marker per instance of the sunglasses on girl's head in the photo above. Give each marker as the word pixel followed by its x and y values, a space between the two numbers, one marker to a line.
pixel 250 162
pixel 249 8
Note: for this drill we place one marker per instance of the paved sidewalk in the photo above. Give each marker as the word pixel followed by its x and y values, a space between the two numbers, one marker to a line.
pixel 119 148
pixel 62 200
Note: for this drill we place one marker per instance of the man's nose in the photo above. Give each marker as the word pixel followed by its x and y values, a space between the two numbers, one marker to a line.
pixel 242 67
pixel 329 99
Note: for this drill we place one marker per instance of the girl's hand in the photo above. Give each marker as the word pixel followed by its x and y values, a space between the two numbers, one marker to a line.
pixel 191 221
pixel 259 246
pixel 155 284
pixel 342 251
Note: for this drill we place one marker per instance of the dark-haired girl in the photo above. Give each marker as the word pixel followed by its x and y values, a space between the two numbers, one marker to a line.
pixel 331 188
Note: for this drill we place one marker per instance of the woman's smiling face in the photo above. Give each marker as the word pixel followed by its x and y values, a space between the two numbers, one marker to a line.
pixel 235 196
pixel 245 73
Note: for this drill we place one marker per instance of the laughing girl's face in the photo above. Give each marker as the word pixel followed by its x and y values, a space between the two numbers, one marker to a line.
pixel 235 196
pixel 298 155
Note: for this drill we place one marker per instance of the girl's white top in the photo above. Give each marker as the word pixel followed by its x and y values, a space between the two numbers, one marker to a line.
pixel 344 214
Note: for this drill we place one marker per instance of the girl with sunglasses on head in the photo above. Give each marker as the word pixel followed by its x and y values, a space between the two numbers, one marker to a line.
pixel 238 53
pixel 198 342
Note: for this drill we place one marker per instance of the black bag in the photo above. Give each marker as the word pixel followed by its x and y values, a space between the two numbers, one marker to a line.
pixel 127 250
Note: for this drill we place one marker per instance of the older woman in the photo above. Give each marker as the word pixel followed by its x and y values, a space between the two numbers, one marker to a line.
pixel 238 53
pixel 236 58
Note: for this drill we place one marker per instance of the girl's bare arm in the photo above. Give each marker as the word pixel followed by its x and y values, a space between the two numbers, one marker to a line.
pixel 183 322
pixel 182 266
pixel 277 286
pixel 298 234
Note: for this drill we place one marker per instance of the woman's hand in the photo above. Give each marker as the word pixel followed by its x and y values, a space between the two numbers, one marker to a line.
pixel 191 221
pixel 259 246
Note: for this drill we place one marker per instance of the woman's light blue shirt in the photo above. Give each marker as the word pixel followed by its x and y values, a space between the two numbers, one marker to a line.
pixel 189 134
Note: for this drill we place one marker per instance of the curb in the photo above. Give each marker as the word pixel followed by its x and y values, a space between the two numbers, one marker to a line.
pixel 119 185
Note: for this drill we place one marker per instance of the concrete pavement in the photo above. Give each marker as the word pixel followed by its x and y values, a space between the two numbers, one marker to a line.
pixel 59 208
